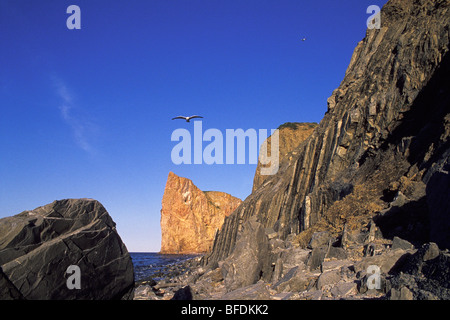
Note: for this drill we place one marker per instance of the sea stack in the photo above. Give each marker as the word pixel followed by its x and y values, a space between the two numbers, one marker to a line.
pixel 191 217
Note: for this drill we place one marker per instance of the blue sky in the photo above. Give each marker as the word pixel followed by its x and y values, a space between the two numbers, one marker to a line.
pixel 87 113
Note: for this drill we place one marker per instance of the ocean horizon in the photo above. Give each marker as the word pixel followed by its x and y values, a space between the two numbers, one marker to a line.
pixel 154 264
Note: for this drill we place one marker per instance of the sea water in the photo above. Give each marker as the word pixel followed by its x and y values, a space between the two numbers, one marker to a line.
pixel 153 264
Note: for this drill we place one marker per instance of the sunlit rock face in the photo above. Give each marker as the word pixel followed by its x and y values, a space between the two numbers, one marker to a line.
pixel 190 217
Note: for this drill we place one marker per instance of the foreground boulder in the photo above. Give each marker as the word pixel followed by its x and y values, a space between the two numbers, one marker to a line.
pixel 38 246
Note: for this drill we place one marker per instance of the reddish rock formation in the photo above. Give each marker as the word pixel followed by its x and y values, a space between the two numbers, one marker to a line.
pixel 191 217
pixel 382 149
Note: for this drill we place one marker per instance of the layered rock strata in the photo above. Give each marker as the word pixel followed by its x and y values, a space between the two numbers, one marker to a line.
pixel 290 135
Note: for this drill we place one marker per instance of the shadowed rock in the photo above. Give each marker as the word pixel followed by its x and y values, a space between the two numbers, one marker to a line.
pixel 37 247
pixel 191 217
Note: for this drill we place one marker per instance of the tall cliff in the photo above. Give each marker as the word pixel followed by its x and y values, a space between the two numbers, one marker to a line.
pixel 290 135
pixel 190 217
pixel 381 151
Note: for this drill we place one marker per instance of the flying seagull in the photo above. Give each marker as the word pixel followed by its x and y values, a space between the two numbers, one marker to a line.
pixel 187 118
pixel 303 39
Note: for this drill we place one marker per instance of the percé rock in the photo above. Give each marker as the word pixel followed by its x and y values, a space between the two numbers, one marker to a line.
pixel 190 217
pixel 38 246
pixel 290 135
pixel 380 154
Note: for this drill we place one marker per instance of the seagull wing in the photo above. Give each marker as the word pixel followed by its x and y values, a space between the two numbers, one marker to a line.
pixel 180 117
pixel 193 117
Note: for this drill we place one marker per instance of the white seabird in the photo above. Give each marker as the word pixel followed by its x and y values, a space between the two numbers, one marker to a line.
pixel 187 118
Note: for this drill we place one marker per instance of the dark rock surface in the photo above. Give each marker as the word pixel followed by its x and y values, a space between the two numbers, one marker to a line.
pixel 251 259
pixel 7 289
pixel 290 135
pixel 37 247
pixel 360 209
pixel 184 293
pixel 438 200
pixel 380 155
pixel 399 243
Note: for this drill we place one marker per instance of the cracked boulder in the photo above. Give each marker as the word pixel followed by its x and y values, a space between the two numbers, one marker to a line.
pixel 38 246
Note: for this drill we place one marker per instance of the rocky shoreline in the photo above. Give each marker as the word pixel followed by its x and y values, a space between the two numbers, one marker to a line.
pixel 324 270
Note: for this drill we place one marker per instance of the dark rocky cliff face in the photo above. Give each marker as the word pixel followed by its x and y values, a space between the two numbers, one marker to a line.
pixel 291 134
pixel 381 151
